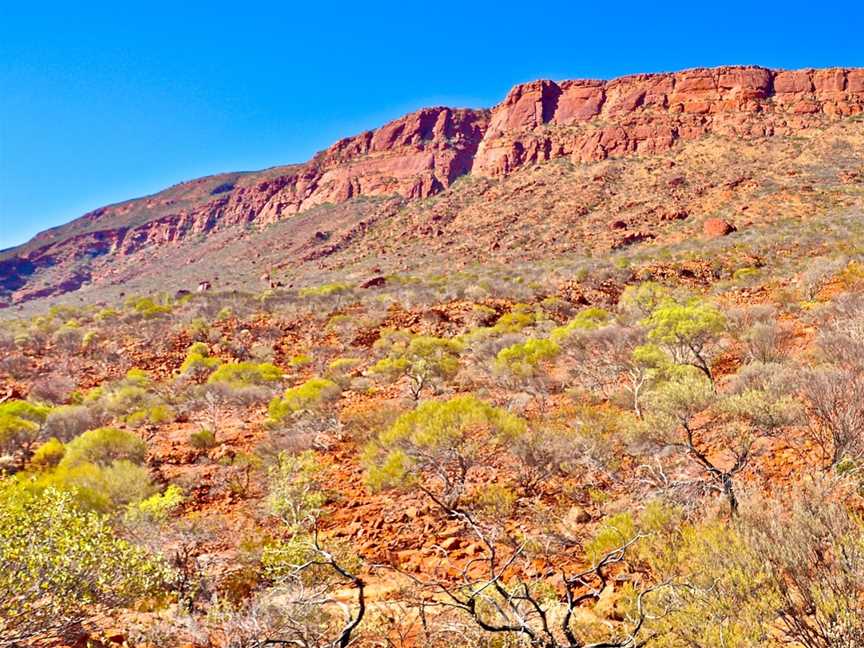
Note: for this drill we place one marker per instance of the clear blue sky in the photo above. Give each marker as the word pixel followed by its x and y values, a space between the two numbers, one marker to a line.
pixel 105 101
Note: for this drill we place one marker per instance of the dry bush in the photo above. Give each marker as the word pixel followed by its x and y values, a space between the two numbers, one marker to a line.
pixel 765 342
pixel 16 364
pixel 299 432
pixel 53 388
pixel 68 421
pixel 836 408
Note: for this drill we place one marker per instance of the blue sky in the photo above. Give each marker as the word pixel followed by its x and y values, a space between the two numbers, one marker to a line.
pixel 105 101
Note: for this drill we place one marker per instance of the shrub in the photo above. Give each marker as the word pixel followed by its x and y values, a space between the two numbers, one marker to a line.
pixel 104 446
pixel 244 374
pixel 524 359
pixel 17 434
pixel 52 388
pixel 325 290
pixel 613 532
pixel 20 425
pixel 198 360
pixel 300 360
pixel 444 439
pixel 57 563
pixel 296 494
pixel 787 572
pixel 339 370
pixel 102 488
pixel 156 508
pixel 835 398
pixel 147 308
pixel 576 438
pixel 588 319
pixel 202 439
pixel 125 399
pixel 516 320
pixel 152 414
pixel 309 395
pixel 48 455
pixel 495 499
pixel 68 421
pixel 426 360
pixel 641 300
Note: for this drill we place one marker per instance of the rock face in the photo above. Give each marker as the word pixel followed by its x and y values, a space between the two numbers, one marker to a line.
pixel 648 113
pixel 423 153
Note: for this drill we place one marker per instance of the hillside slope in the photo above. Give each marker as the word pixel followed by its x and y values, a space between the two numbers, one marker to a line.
pixel 638 155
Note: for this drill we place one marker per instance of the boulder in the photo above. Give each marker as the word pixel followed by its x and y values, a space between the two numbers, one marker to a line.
pixel 716 227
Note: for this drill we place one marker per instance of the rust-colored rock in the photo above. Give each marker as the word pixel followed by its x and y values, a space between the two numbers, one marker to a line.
pixel 649 113
pixel 424 152
pixel 716 227
pixel 374 282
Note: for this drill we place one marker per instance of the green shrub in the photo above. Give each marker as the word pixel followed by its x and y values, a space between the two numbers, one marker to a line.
pixel 244 374
pixel 25 410
pixel 20 424
pixel 524 359
pixel 103 446
pixel 495 499
pixel 309 395
pixel 202 439
pixel 48 455
pixel 147 308
pixel 588 319
pixel 300 360
pixel 325 290
pixel 611 534
pixel 198 359
pixel 516 320
pixel 152 414
pixel 58 563
pixel 156 508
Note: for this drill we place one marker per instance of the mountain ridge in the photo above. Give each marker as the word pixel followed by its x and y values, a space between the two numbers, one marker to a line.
pixel 423 153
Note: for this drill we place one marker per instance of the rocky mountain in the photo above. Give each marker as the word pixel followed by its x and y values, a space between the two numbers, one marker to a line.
pixel 385 199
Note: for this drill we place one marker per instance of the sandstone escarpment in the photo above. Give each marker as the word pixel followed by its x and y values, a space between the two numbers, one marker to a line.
pixel 648 113
pixel 422 154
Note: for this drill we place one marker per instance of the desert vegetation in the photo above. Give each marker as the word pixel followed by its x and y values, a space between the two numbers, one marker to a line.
pixel 615 457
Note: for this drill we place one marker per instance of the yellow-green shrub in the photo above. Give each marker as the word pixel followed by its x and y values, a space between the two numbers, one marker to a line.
pixel 103 446
pixel 308 395
pixel 244 374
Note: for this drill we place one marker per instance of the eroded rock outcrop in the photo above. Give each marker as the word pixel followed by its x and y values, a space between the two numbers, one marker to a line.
pixel 648 113
pixel 424 152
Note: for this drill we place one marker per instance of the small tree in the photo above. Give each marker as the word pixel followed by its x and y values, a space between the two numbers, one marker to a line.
pixel 685 411
pixel 688 332
pixel 426 360
pixel 442 440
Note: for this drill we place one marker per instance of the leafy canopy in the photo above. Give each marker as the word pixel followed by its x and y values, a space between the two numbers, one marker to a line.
pixel 56 561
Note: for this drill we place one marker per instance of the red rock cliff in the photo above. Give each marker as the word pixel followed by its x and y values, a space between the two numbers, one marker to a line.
pixel 647 113
pixel 424 152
